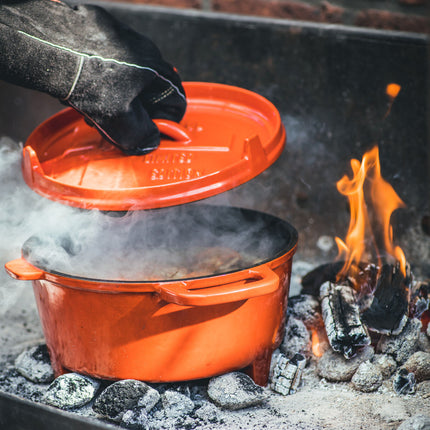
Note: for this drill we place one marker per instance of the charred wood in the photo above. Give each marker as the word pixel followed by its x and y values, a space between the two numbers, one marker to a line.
pixel 388 312
pixel 287 373
pixel 420 299
pixel 341 316
pixel 361 277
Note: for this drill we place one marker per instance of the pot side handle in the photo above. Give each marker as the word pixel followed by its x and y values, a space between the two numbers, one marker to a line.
pixel 24 271
pixel 263 281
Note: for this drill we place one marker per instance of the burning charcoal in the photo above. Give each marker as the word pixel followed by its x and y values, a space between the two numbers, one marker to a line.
pixel 120 397
pixel 208 413
pixel 404 382
pixel 305 308
pixel 386 364
pixel 235 390
pixel 364 278
pixel 420 299
pixel 417 422
pixel 345 331
pixel 402 346
pixel 388 312
pixel 367 378
pixel 419 365
pixel 135 419
pixel 70 391
pixel 311 283
pixel 296 339
pixel 35 365
pixel 176 404
pixel 335 367
pixel 286 374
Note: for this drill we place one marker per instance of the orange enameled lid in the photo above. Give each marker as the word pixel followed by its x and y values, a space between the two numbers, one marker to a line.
pixel 228 136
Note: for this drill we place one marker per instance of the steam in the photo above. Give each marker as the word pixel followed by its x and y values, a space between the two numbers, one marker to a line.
pixel 140 245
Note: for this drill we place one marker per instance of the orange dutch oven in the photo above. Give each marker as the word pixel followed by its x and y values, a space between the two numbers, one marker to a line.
pixel 176 330
pixel 165 330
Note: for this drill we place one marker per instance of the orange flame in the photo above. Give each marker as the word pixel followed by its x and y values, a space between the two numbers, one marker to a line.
pixel 392 92
pixel 384 201
pixel 317 348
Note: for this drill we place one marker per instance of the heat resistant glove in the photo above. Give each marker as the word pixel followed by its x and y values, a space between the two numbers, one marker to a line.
pixel 92 62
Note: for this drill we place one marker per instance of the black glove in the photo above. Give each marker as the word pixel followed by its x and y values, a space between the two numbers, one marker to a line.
pixel 90 61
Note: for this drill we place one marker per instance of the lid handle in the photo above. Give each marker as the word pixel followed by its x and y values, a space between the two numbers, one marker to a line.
pixel 173 130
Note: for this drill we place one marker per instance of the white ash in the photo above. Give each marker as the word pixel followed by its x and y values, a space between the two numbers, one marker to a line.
pixel 335 367
pixel 35 364
pixel 367 378
pixel 176 404
pixel 300 268
pixel 387 365
pixel 120 397
pixel 419 364
pixel 296 340
pixel 402 346
pixel 135 419
pixel 417 422
pixel 307 309
pixel 208 413
pixel 235 390
pixel 70 391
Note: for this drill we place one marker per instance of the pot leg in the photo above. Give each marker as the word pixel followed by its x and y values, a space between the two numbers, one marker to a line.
pixel 259 369
pixel 56 364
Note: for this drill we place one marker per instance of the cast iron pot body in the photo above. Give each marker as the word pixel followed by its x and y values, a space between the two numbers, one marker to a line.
pixel 167 331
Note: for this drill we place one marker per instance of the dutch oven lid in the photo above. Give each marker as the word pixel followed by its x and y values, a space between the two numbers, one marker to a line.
pixel 228 136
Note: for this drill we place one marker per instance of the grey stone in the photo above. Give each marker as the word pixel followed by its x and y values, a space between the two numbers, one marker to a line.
pixel 423 342
pixel 70 391
pixel 402 346
pixel 335 367
pixel 296 339
pixel 176 404
pixel 208 413
pixel 387 365
pixel 135 419
pixel 149 399
pixel 35 365
pixel 416 422
pixel 120 397
pixel 419 364
pixel 423 389
pixel 367 378
pixel 235 390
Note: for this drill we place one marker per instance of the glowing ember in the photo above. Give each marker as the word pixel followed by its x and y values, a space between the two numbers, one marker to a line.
pixel 393 90
pixel 383 200
pixel 317 347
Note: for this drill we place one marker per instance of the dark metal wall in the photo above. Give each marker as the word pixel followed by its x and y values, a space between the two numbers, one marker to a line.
pixel 328 83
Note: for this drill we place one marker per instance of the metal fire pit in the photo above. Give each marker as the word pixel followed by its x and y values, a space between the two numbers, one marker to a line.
pixel 329 84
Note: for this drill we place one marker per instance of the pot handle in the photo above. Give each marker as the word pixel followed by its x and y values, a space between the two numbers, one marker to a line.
pixel 262 280
pixel 24 271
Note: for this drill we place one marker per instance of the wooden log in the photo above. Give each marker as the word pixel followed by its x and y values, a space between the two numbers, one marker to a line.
pixel 345 332
pixel 388 312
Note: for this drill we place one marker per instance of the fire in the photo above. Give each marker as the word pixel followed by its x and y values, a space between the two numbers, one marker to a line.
pixel 393 90
pixel 382 199
pixel 317 348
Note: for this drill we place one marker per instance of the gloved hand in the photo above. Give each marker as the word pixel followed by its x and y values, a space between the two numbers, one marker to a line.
pixel 90 61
